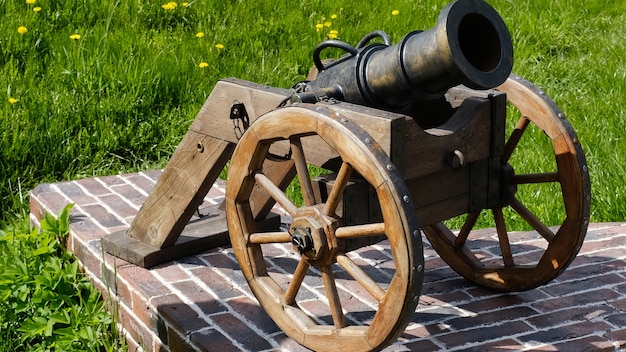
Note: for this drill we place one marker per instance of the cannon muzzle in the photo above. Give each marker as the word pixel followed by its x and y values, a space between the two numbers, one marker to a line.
pixel 470 45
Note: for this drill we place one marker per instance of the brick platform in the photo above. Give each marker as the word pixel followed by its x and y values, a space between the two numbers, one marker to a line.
pixel 202 302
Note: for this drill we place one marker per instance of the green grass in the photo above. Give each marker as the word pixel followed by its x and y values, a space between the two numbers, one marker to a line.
pixel 120 98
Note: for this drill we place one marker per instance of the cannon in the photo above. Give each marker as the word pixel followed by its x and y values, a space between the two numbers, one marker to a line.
pixel 384 143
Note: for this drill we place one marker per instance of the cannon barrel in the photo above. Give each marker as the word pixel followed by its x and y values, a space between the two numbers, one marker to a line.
pixel 469 45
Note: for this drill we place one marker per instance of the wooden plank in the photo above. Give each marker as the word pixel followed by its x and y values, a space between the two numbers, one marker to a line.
pixel 208 231
pixel 468 131
pixel 187 178
pixel 214 117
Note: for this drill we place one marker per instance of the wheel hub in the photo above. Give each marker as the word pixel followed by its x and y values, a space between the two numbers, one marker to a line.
pixel 313 235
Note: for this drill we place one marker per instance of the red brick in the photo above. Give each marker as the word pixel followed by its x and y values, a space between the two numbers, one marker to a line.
pixel 288 344
pixel 607 242
pixel 75 193
pixel 595 269
pixel 170 272
pixel 144 312
pixel 241 332
pixel 585 283
pixel 418 331
pixel 500 345
pixel 103 216
pixel 119 206
pixel 620 304
pixel 222 288
pixel 254 313
pixel 53 202
pixel 93 186
pixel 212 340
pixel 130 193
pixel 422 346
pixel 177 313
pixel 550 305
pixel 554 335
pixel 449 298
pixel 141 181
pixel 85 228
pixel 137 330
pixel 142 280
pixel 497 302
pixel 178 343
pixel 618 337
pixel 495 317
pixel 587 344
pixel 196 294
pixel 545 321
pixel 593 317
pixel 486 334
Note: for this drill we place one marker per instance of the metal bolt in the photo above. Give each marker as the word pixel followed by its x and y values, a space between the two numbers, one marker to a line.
pixel 302 240
pixel 457 159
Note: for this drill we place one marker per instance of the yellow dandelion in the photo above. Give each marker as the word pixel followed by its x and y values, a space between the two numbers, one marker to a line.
pixel 185 4
pixel 170 5
pixel 200 35
pixel 328 24
pixel 36 8
pixel 22 30
pixel 203 64
pixel 75 36
pixel 319 26
pixel 30 2
pixel 12 100
pixel 333 16
pixel 395 12
pixel 219 46
pixel 333 34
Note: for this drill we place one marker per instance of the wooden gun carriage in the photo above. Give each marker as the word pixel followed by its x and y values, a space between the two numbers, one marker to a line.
pixel 392 156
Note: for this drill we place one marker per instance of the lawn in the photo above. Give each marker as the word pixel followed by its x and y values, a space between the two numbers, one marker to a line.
pixel 94 88
pixel 102 87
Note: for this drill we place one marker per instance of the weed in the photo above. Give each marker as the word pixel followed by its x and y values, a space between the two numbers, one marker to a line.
pixel 46 302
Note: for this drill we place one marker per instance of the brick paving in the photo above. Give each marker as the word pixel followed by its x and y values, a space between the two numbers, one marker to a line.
pixel 202 302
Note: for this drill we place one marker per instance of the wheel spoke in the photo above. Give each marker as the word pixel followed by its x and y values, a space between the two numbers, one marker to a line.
pixel 361 277
pixel 303 172
pixel 270 237
pixel 333 296
pixel 337 191
pixel 531 219
pixel 503 237
pixel 356 231
pixel 517 134
pixel 276 193
pixel 544 177
pixel 466 229
pixel 296 282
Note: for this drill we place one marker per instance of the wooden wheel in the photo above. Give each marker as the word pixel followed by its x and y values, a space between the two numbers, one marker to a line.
pixel 539 122
pixel 307 287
